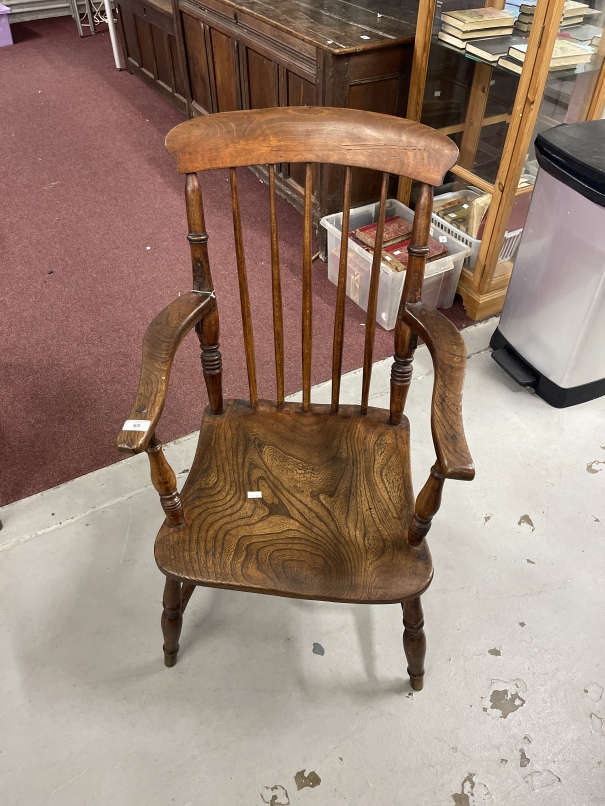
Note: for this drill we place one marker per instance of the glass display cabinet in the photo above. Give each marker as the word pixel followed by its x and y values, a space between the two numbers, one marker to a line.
pixel 492 78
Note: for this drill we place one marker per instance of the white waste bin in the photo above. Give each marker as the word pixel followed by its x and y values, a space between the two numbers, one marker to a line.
pixel 551 334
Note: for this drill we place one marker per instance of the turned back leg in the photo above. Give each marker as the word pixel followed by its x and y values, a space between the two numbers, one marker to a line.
pixel 414 641
pixel 172 620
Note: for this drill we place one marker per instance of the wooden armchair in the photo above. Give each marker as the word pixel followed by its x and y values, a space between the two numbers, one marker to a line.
pixel 303 500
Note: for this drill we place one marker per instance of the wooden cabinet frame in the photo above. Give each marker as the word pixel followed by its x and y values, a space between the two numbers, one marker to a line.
pixel 484 289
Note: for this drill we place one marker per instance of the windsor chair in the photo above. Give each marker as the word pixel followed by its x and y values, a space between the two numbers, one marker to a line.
pixel 303 500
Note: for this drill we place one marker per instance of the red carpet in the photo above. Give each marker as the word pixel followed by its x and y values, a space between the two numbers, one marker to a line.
pixel 93 245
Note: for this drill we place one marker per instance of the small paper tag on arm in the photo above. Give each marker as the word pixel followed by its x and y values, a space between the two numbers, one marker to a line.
pixel 255 494
pixel 136 425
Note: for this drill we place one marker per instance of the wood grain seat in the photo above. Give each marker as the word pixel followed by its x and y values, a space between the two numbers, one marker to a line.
pixel 333 517
pixel 336 518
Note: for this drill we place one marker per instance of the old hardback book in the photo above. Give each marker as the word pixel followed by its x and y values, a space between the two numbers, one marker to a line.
pixel 525 27
pixel 396 255
pixel 571 21
pixel 491 49
pixel 395 229
pixel 574 9
pixel 510 64
pixel 481 34
pixel 478 18
pixel 454 41
pixel 565 53
pixel 571 9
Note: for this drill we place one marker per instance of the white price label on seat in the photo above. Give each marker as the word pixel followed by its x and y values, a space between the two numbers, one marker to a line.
pixel 255 494
pixel 136 425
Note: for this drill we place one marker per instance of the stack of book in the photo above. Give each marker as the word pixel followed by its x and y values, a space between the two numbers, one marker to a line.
pixel 494 48
pixel 573 14
pixel 566 54
pixel 396 239
pixel 460 27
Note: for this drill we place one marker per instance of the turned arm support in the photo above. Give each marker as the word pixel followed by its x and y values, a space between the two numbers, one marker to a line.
pixel 160 344
pixel 448 352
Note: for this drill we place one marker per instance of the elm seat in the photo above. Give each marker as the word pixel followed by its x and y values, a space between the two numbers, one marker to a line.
pixel 331 523
pixel 337 518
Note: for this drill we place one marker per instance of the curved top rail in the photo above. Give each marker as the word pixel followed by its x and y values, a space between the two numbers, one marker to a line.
pixel 312 134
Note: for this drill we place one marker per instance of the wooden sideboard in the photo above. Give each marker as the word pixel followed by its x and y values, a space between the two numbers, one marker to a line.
pixel 222 55
pixel 150 48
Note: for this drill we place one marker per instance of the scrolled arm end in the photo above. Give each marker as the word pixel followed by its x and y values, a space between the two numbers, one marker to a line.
pixel 135 435
pixel 162 338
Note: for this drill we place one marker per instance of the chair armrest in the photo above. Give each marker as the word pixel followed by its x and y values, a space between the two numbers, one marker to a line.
pixel 448 352
pixel 160 344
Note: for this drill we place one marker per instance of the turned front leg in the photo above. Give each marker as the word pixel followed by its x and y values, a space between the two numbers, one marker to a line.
pixel 414 641
pixel 172 620
pixel 164 481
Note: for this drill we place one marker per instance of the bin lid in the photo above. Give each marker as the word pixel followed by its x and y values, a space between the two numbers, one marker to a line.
pixel 574 153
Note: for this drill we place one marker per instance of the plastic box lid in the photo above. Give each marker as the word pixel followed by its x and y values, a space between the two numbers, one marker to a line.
pixel 575 155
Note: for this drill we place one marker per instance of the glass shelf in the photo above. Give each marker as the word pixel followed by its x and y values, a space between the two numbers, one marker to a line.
pixel 589 67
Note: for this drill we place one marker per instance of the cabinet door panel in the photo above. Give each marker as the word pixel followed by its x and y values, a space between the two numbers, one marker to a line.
pixel 262 81
pixel 300 93
pixel 197 63
pixel 375 96
pixel 225 71
pixel 179 78
pixel 163 58
pixel 130 35
pixel 145 46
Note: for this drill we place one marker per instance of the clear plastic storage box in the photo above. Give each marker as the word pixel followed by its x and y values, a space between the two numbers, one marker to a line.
pixel 440 278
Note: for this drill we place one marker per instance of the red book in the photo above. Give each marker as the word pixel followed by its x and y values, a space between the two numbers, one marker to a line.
pixel 396 255
pixel 395 229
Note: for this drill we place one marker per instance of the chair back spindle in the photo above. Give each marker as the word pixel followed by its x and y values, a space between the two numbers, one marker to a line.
pixel 339 315
pixel 278 325
pixel 208 329
pixel 307 289
pixel 197 236
pixel 406 339
pixel 368 351
pixel 243 290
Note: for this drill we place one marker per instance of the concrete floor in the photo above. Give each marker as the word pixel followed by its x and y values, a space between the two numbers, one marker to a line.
pixel 271 694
